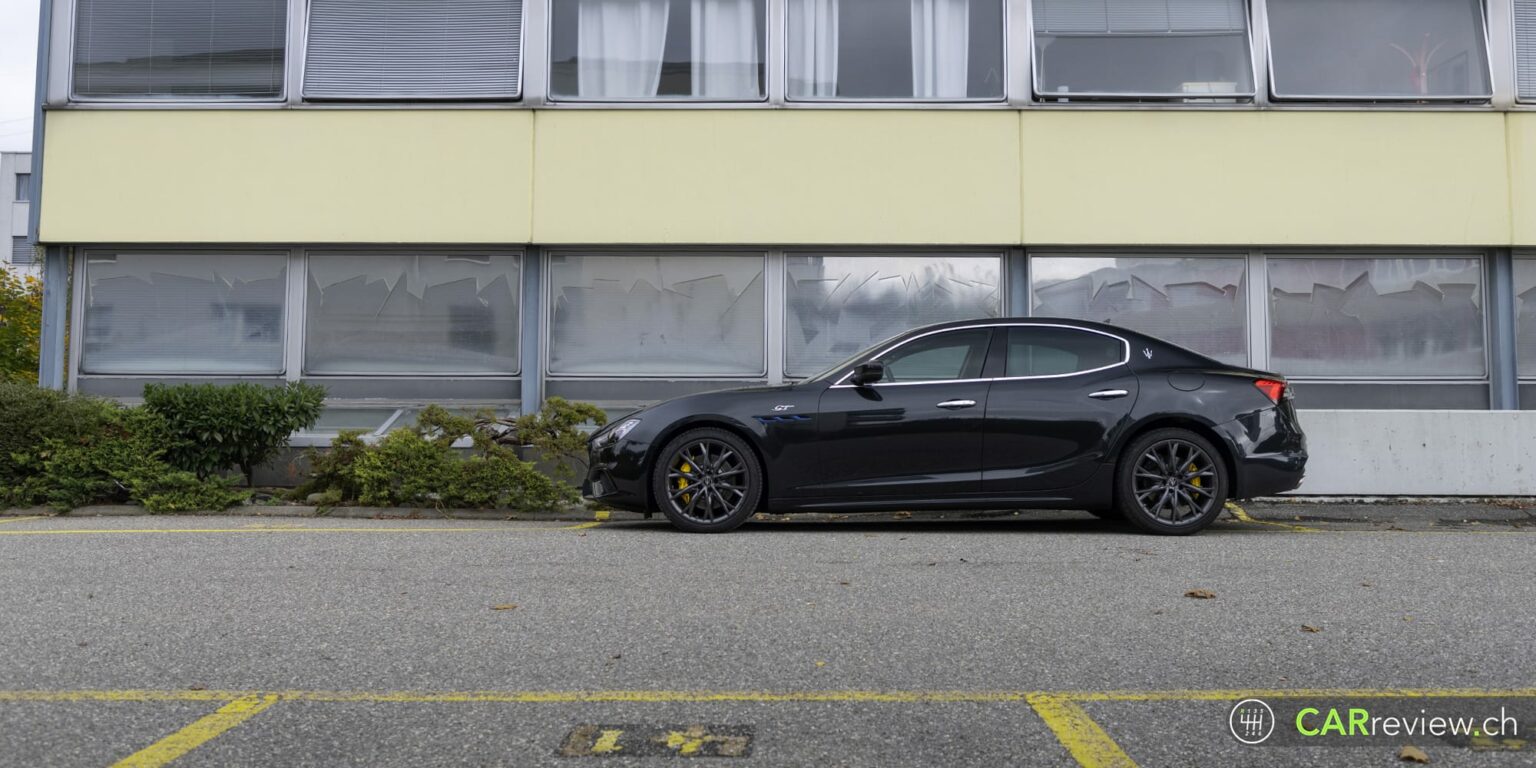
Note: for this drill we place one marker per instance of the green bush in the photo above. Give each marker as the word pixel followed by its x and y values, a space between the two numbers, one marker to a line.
pixel 421 466
pixel 214 428
pixel 29 415
pixel 554 432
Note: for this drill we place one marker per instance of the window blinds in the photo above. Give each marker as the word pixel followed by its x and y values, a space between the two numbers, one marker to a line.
pixel 414 49
pixel 1132 17
pixel 1525 48
pixel 180 48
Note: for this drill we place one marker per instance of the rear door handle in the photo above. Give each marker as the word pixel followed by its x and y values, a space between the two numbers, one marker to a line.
pixel 956 404
pixel 1108 394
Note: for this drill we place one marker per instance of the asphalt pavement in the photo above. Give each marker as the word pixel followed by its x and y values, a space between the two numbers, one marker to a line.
pixel 967 639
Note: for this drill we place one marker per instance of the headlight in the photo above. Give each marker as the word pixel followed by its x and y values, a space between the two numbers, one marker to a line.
pixel 615 434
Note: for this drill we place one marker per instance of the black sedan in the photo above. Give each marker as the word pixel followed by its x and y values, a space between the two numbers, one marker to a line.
pixel 988 414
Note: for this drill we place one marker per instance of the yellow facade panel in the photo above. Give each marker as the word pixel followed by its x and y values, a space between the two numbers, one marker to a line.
pixel 1273 178
pixel 314 176
pixel 777 176
pixel 1521 131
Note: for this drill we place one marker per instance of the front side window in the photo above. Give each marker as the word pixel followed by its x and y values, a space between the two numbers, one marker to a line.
pixel 413 49
pixel 402 313
pixel 837 305
pixel 897 50
pixel 1179 49
pixel 619 50
pixel 657 315
pixel 180 49
pixel 1198 302
pixel 1052 351
pixel 940 357
pixel 1406 50
pixel 1418 316
pixel 184 313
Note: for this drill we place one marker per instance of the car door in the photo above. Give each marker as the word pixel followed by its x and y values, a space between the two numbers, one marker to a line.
pixel 1052 411
pixel 917 432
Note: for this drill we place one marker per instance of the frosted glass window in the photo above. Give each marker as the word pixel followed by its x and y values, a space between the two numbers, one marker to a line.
pixel 1353 317
pixel 837 305
pixel 412 313
pixel 170 313
pixel 941 50
pixel 1195 302
pixel 622 50
pixel 1379 49
pixel 1525 317
pixel 657 315
pixel 1178 49
pixel 178 49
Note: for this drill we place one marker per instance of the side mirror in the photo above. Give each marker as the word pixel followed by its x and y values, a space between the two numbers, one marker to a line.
pixel 868 373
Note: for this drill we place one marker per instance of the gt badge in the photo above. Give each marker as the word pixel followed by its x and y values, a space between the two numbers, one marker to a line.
pixel 782 407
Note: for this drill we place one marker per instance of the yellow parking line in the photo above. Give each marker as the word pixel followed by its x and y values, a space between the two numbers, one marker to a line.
pixel 22 519
pixel 1242 516
pixel 285 529
pixel 198 732
pixel 1088 744
pixel 583 526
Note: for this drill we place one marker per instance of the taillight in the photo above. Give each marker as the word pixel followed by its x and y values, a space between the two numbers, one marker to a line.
pixel 1272 389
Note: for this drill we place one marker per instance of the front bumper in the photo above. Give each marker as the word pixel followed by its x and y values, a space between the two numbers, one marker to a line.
pixel 616 476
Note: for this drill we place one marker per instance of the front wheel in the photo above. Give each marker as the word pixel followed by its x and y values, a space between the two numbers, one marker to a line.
pixel 1171 481
pixel 707 481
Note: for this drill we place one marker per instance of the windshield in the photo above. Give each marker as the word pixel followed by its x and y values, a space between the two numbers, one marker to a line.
pixel 850 360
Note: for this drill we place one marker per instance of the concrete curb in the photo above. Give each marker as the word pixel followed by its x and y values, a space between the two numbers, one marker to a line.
pixel 570 514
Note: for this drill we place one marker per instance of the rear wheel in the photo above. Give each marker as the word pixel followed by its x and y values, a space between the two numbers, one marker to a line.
pixel 1171 481
pixel 707 481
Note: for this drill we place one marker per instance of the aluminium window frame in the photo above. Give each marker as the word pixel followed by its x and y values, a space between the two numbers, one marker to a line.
pixel 1245 99
pixel 547 322
pixel 1518 255
pixel 1484 16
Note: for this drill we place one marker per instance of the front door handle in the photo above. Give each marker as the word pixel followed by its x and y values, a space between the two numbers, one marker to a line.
pixel 953 405
pixel 1108 394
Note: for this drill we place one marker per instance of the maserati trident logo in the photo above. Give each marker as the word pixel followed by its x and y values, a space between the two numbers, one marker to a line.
pixel 782 407
pixel 1146 352
pixel 1251 721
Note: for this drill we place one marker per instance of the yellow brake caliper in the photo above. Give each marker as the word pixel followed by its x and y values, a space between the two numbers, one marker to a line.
pixel 1195 481
pixel 682 482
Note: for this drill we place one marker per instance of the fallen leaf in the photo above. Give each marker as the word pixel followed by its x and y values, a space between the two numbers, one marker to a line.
pixel 934 563
pixel 902 515
pixel 1412 755
pixel 1310 628
pixel 504 607
pixel 844 583
pixel 821 663
pixel 197 687
pixel 617 656
pixel 1200 594
pixel 1366 584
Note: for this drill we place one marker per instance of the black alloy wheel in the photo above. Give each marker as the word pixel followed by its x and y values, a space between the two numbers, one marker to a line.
pixel 1171 481
pixel 707 481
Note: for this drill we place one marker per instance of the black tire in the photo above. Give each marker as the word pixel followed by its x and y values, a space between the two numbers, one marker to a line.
pixel 1171 482
pixel 732 481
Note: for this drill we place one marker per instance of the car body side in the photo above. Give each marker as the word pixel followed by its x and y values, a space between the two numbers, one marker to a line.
pixel 1260 441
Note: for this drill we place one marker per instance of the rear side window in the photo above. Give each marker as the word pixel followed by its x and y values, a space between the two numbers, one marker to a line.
pixel 1045 351
pixel 940 357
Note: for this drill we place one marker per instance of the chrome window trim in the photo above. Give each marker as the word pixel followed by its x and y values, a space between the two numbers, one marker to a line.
pixel 1484 100
pixel 1160 99
pixel 1125 348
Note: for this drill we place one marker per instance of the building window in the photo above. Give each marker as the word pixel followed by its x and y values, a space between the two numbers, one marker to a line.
pixel 1416 316
pixel 23 187
pixel 180 49
pixel 656 315
pixel 1525 49
pixel 413 49
pixel 882 50
pixel 412 313
pixel 1363 50
pixel 839 304
pixel 1199 302
pixel 22 251
pixel 618 50
pixel 1181 49
pixel 184 313
pixel 1525 317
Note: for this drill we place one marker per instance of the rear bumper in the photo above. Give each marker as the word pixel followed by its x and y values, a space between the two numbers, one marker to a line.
pixel 1269 450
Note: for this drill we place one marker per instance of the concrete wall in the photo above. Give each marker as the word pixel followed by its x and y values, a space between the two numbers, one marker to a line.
pixel 791 176
pixel 1407 453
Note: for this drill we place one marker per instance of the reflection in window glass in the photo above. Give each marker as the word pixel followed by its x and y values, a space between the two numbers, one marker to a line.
pixel 607 50
pixel 940 357
pixel 1419 316
pixel 1173 49
pixel 642 314
pixel 180 48
pixel 412 313
pixel 1525 317
pixel 184 313
pixel 839 305
pixel 895 49
pixel 1195 302
pixel 1046 351
pixel 1387 49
